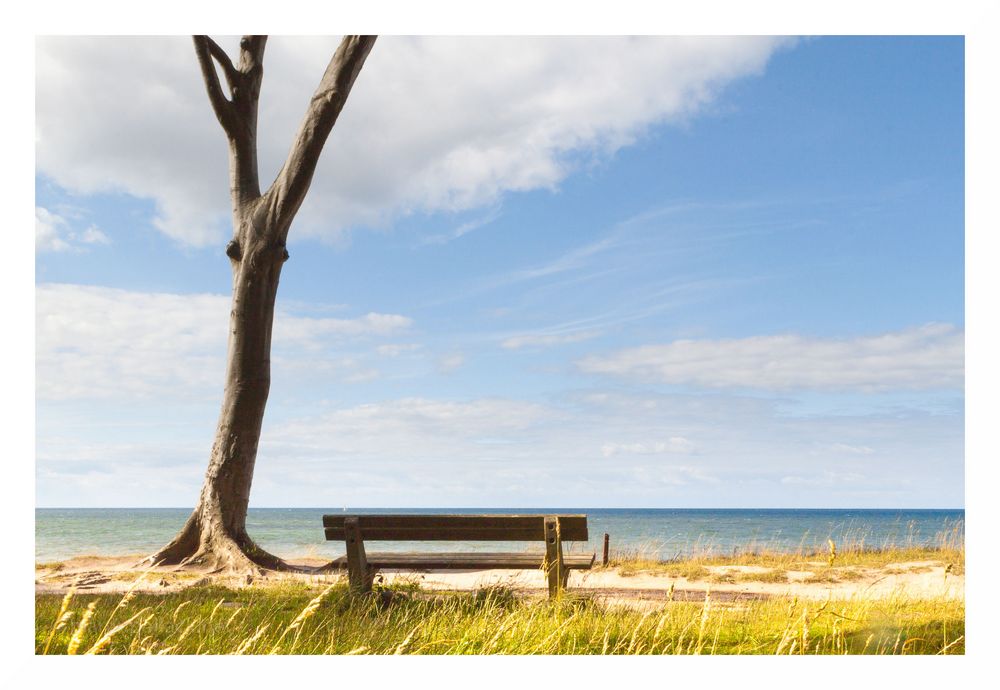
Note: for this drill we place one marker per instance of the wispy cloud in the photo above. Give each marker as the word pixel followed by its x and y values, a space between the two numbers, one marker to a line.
pixel 854 450
pixel 94 342
pixel 674 444
pixel 925 357
pixel 648 302
pixel 598 448
pixel 569 262
pixel 572 260
pixel 707 449
pixel 649 245
pixel 48 230
pixel 517 342
pixel 462 229
pixel 396 349
pixel 827 478
pixel 54 233
pixel 450 362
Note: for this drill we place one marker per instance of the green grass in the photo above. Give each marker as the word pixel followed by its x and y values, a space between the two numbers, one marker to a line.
pixel 308 619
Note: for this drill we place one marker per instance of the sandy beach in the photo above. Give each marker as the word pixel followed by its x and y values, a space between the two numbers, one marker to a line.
pixel 920 579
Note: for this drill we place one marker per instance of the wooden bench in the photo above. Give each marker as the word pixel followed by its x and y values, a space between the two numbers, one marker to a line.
pixel 553 530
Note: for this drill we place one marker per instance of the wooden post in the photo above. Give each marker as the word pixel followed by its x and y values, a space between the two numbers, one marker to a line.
pixel 358 573
pixel 554 567
pixel 607 541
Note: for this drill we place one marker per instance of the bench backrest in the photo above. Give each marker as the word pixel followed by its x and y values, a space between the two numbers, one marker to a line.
pixel 456 527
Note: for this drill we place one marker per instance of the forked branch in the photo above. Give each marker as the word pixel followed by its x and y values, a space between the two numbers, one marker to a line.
pixel 238 113
pixel 238 116
pixel 223 107
pixel 228 69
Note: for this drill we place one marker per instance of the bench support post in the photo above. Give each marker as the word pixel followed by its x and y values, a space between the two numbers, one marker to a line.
pixel 358 573
pixel 554 567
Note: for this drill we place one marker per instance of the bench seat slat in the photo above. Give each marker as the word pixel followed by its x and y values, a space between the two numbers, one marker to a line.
pixel 443 534
pixel 456 527
pixel 466 561
pixel 441 520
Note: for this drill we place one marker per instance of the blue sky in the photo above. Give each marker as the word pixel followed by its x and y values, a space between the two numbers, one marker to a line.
pixel 696 273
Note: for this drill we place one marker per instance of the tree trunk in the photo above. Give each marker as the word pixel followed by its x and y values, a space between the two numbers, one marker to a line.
pixel 215 535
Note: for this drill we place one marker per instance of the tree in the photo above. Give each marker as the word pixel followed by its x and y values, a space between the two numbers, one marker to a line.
pixel 215 534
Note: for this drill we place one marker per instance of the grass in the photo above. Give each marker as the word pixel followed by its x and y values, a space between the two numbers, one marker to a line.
pixel 835 563
pixel 321 617
pixel 729 577
pixel 300 618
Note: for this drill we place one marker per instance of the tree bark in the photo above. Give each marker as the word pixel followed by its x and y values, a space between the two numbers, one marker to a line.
pixel 215 535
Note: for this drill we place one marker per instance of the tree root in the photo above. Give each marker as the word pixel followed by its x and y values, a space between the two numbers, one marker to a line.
pixel 212 549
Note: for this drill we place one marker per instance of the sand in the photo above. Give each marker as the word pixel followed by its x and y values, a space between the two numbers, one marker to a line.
pixel 919 579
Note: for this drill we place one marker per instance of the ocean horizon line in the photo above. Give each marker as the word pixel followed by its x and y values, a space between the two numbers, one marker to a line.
pixel 64 532
pixel 332 506
pixel 522 507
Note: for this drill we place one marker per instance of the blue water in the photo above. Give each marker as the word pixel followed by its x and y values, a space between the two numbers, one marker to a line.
pixel 62 533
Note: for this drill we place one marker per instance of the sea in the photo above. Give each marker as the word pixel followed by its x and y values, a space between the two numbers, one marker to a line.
pixel 664 534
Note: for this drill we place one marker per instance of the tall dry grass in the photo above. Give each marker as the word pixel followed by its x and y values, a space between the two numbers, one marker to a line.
pixel 301 620
pixel 854 549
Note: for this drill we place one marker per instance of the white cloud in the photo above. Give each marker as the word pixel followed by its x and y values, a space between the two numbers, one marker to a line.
pixel 925 357
pixel 450 362
pixel 93 235
pixel 463 229
pixel 827 478
pixel 48 230
pixel 688 450
pixel 425 451
pixel 396 349
pixel 420 425
pixel 516 342
pixel 854 450
pixel 675 444
pixel 95 342
pixel 316 331
pixel 513 432
pixel 674 476
pixel 53 233
pixel 432 124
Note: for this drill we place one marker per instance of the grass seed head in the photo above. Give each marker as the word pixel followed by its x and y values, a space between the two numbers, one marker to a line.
pixel 81 629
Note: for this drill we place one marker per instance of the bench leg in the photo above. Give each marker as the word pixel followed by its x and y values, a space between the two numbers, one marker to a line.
pixel 359 574
pixel 554 567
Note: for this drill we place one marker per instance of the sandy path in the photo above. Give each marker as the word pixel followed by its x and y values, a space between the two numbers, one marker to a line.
pixel 919 579
pixel 922 580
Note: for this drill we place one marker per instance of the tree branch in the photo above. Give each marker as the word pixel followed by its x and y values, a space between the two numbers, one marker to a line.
pixel 223 108
pixel 290 187
pixel 251 52
pixel 228 69
pixel 238 114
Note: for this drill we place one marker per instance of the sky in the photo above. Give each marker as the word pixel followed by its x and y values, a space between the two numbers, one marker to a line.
pixel 536 272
